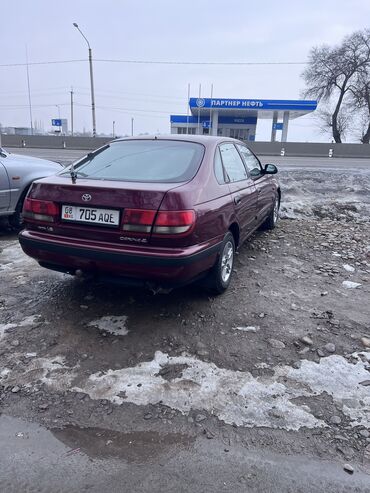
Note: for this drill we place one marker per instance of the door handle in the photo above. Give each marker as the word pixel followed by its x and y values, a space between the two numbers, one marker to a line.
pixel 237 199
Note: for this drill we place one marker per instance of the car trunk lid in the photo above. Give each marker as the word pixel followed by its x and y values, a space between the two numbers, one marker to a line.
pixel 82 204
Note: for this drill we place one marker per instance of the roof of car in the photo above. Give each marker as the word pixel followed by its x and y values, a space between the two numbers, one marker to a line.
pixel 202 139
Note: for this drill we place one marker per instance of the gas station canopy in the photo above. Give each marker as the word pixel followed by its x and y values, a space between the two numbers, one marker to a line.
pixel 238 117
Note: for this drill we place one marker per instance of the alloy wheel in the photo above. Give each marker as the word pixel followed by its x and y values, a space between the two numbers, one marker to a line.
pixel 227 261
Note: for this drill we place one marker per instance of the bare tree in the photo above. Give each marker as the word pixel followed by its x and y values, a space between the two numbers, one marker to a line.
pixel 344 120
pixel 360 96
pixel 333 72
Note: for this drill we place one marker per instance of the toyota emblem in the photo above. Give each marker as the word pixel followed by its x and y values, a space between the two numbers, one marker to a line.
pixel 86 197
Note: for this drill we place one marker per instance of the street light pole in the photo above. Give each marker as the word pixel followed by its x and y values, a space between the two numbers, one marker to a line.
pixel 91 80
pixel 71 111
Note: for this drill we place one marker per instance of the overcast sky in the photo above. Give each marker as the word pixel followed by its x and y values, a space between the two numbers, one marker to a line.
pixel 202 30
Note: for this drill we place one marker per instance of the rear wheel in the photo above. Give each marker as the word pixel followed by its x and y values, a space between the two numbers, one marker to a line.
pixel 16 220
pixel 273 217
pixel 220 276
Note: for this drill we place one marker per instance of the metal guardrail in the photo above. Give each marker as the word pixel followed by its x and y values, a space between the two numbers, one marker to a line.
pixel 313 149
pixel 53 142
pixel 296 149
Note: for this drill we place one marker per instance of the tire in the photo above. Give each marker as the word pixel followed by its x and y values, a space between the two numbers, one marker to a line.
pixel 16 220
pixel 219 278
pixel 273 217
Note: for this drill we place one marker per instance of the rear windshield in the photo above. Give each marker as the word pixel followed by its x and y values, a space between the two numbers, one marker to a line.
pixel 164 161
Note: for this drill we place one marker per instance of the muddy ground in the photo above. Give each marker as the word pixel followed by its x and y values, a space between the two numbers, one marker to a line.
pixel 265 388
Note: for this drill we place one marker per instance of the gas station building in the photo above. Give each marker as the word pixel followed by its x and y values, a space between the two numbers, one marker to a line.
pixel 238 118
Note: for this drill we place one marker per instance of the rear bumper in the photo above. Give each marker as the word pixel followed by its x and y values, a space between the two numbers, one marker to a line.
pixel 165 266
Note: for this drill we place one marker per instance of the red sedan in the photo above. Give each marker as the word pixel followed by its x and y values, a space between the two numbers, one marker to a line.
pixel 161 211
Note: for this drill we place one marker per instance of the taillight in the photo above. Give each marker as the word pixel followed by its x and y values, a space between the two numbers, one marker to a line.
pixel 174 222
pixel 40 210
pixel 165 222
pixel 138 220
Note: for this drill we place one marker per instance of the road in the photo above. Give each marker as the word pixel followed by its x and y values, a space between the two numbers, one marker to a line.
pixel 262 389
pixel 66 156
pixel 63 156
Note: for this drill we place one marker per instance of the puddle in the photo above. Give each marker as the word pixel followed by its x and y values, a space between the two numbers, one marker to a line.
pixel 34 459
pixel 138 446
pixel 95 443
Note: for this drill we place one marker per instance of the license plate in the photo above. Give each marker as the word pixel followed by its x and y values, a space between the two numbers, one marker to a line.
pixel 106 217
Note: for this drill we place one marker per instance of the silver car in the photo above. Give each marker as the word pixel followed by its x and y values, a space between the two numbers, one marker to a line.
pixel 16 175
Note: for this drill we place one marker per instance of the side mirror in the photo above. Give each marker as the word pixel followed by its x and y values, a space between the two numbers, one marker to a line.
pixel 270 169
pixel 2 153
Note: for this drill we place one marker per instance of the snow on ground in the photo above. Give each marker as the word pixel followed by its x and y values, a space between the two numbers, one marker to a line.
pixel 234 397
pixel 248 328
pixel 12 257
pixel 112 324
pixel 238 397
pixel 351 284
pixel 338 378
pixel 26 322
pixel 52 371
pixel 325 193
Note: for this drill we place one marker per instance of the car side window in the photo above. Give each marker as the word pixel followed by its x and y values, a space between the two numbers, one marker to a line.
pixel 219 170
pixel 233 163
pixel 250 160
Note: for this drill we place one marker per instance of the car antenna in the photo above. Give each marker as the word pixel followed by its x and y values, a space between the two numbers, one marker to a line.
pixel 73 173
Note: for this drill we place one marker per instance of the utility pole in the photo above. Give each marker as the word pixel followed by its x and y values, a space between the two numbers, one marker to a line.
pixel 198 125
pixel 71 111
pixel 187 110
pixel 91 80
pixel 132 127
pixel 210 112
pixel 92 93
pixel 113 133
pixel 29 91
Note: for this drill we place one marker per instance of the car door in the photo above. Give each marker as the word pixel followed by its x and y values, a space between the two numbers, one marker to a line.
pixel 4 187
pixel 264 185
pixel 242 188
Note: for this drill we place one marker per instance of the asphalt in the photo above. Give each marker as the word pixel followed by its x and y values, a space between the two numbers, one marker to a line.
pixel 63 156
